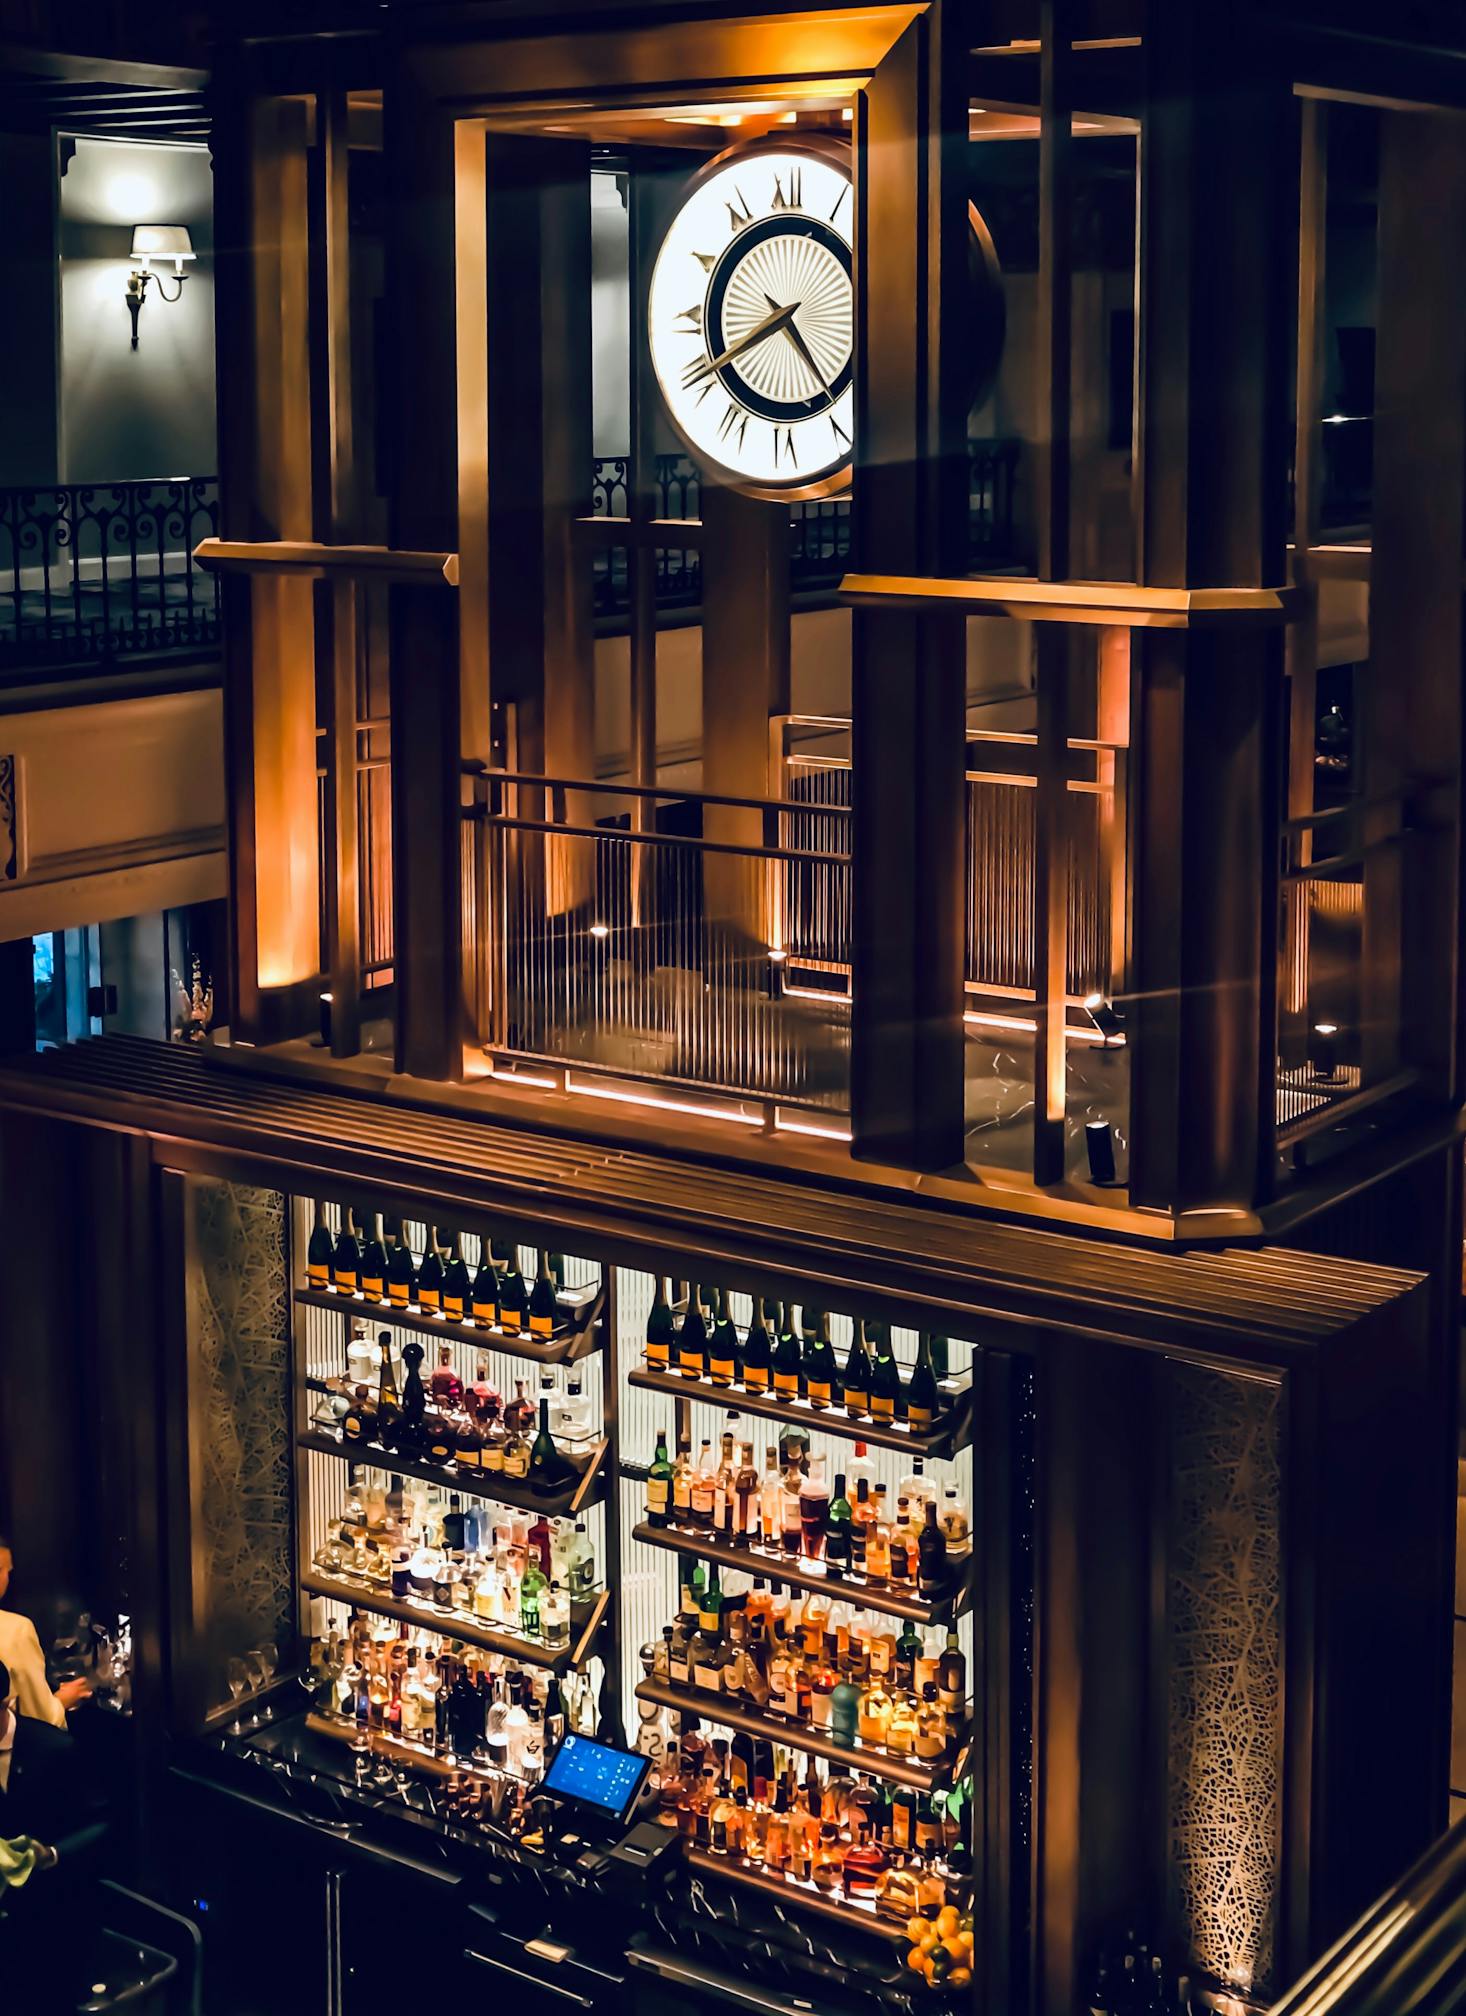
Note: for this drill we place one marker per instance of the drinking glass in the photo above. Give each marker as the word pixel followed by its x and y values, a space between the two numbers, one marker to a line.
pixel 237 1675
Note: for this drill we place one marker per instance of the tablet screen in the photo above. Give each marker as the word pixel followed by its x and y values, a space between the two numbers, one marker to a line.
pixel 596 1775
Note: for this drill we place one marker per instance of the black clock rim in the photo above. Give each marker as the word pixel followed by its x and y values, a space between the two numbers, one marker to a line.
pixel 780 224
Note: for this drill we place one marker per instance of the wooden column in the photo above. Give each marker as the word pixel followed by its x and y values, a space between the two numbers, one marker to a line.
pixel 1216 274
pixel 1413 713
pixel 909 670
pixel 745 675
pixel 420 388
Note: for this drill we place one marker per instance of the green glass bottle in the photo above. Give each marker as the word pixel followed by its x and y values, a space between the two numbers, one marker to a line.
pixel 457 1287
pixel 513 1300
pixel 725 1355
pixel 319 1252
pixel 401 1274
pixel 885 1383
pixel 546 1468
pixel 921 1390
pixel 856 1384
pixel 374 1263
pixel 820 1370
pixel 532 1583
pixel 430 1275
pixel 659 1486
pixel 346 1259
pixel 661 1329
pixel 543 1304
pixel 788 1359
pixel 692 1343
pixel 484 1294
pixel 758 1351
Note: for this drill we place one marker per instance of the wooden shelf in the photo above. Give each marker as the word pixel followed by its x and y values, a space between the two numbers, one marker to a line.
pixel 574 1338
pixel 834 1905
pixel 587 1489
pixel 953 1432
pixel 923 1777
pixel 798 1573
pixel 384 1744
pixel 585 1622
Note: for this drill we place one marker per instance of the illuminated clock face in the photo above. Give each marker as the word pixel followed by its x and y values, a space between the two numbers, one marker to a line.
pixel 751 321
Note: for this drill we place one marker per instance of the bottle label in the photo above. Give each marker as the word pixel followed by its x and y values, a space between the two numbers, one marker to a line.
pixel 346 1280
pixel 706 1677
pixel 493 1457
pixel 397 1294
pixel 484 1314
pixel 882 1407
pixel 509 1322
pixel 351 1427
pixel 755 1378
pixel 818 1392
pixel 439 1451
pixel 469 1459
pixel 428 1298
pixel 658 1356
pixel 919 1419
pixel 722 1371
pixel 453 1306
pixel 317 1273
pixel 541 1326
pixel 373 1285
pixel 682 1493
pixel 691 1364
pixel 786 1385
pixel 856 1402
pixel 518 1465
pixel 702 1501
pixel 656 1494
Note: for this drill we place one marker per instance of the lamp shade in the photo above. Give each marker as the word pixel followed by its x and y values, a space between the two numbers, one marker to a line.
pixel 162 241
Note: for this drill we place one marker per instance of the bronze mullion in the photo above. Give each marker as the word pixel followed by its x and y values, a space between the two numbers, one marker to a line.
pixel 641 507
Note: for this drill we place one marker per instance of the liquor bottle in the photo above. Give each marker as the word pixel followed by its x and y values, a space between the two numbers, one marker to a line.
pixel 757 1351
pixel 547 1466
pixel 570 1416
pixel 430 1276
pixel 682 1485
pixel 578 1565
pixel 933 1731
pixel 874 1713
pixel 496 1437
pixel 483 1295
pixel 346 1259
pixel 814 1508
pixel 837 1530
pixel 954 1524
pixel 862 1517
pixel 661 1329
pixel 485 1393
pixel 438 1435
pixel 359 1423
pixel 389 1400
pixel 918 1489
pixel 468 1437
pixel 659 1486
pixel 725 1357
pixel 692 1343
pixel 745 1490
pixel 543 1307
pixel 952 1674
pixel 877 1546
pixel 821 1373
pixel 771 1500
pixel 532 1586
pixel 513 1299
pixel 453 1526
pixel 374 1264
pixel 401 1274
pixel 791 1523
pixel 931 1574
pixel 516 1453
pixel 921 1390
pixel 856 1383
pixel 903 1547
pixel 704 1484
pixel 318 1254
pixel 908 1651
pixel 885 1384
pixel 555 1618
pixel 860 1465
pixel 518 1412
pixel 787 1359
pixel 794 1446
pixel 457 1288
pixel 410 1438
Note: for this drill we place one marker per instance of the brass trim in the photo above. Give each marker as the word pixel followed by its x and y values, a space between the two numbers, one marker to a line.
pixel 312 560
pixel 1125 604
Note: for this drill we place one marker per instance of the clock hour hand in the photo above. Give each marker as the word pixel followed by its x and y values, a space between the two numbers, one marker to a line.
pixel 805 352
pixel 769 326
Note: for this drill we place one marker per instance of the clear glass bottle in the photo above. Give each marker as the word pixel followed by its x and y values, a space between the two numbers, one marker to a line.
pixel 554 1617
pixel 814 1507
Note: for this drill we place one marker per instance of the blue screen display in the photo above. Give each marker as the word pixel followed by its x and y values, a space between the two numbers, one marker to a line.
pixel 595 1773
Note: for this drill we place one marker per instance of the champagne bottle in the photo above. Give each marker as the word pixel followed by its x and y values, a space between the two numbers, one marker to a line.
pixel 543 1307
pixel 484 1295
pixel 659 1486
pixel 430 1275
pixel 692 1344
pixel 921 1390
pixel 456 1286
pixel 513 1299
pixel 820 1370
pixel 758 1365
pixel 389 1402
pixel 885 1383
pixel 401 1274
pixel 319 1252
pixel 856 1384
pixel 346 1260
pixel 787 1359
pixel 724 1355
pixel 374 1263
pixel 661 1329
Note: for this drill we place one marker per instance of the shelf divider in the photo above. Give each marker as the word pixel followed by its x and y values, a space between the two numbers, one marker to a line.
pixel 800 1574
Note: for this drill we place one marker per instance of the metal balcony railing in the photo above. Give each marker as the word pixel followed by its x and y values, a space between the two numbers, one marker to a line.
pixel 819 528
pixel 100 571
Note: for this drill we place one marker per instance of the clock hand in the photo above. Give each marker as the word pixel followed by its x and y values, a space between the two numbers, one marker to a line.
pixel 804 351
pixel 769 326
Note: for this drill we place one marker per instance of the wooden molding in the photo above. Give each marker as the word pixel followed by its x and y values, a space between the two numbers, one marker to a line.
pixel 308 559
pixel 1123 603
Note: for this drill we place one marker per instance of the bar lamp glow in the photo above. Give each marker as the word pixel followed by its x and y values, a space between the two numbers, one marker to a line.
pixel 156 241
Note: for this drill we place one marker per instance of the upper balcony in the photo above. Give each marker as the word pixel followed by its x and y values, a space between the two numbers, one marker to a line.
pixel 1028 820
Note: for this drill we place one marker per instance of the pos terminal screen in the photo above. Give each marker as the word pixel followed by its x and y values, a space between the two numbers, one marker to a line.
pixel 596 1775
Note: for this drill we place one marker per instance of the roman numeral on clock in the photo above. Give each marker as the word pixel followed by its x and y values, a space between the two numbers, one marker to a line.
pixel 795 198
pixel 840 435
pixel 784 445
pixel 739 213
pixel 691 316
pixel 734 418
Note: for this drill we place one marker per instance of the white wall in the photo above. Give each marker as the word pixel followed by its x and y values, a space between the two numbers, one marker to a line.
pixel 129 413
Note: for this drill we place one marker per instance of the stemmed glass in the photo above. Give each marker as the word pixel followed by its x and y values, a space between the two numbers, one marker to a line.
pixel 265 1660
pixel 237 1675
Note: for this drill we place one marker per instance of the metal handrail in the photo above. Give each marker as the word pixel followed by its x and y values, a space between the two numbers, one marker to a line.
pixel 476 767
pixel 1406 1956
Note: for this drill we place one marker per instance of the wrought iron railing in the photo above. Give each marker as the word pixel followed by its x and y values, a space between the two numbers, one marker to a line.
pixel 819 528
pixel 104 570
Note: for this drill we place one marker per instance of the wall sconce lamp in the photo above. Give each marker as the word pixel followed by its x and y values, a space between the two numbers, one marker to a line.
pixel 149 242
pixel 1105 1017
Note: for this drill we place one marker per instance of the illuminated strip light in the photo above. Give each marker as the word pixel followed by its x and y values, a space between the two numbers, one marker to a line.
pixel 803 1127
pixel 525 1078
pixel 1031 1028
pixel 591 1091
pixel 816 994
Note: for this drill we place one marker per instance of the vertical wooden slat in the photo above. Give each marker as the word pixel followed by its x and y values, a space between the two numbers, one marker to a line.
pixel 1051 810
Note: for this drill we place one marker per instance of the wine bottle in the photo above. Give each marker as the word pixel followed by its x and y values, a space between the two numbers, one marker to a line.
pixel 787 1359
pixel 318 1253
pixel 724 1355
pixel 931 1556
pixel 456 1285
pixel 430 1275
pixel 374 1263
pixel 389 1401
pixel 820 1370
pixel 401 1274
pixel 661 1329
pixel 921 1390
pixel 513 1299
pixel 659 1486
pixel 838 1530
pixel 855 1385
pixel 758 1361
pixel 346 1259
pixel 484 1295
pixel 546 1466
pixel 885 1383
pixel 543 1307
pixel 692 1343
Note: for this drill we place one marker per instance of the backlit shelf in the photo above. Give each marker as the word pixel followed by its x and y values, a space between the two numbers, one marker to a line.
pixel 587 1488
pixel 576 1333
pixel 585 1621
pixel 798 1573
pixel 952 1432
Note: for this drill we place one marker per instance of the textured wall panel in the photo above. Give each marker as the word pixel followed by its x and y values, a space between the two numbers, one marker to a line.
pixel 239 1330
pixel 1226 1671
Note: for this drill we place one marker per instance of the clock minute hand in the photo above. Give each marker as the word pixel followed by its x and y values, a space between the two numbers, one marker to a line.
pixel 769 326
pixel 808 355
